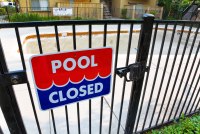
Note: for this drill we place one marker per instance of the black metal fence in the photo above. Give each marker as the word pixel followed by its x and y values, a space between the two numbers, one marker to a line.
pixel 166 86
pixel 173 87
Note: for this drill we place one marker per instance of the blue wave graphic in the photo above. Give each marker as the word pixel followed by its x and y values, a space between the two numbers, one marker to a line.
pixel 70 93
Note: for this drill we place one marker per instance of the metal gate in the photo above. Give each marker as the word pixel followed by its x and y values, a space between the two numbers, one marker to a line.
pixel 155 75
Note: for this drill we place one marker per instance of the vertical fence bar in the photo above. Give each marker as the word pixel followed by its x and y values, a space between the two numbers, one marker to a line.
pixel 58 48
pixel 74 46
pixel 155 78
pixel 142 55
pixel 124 82
pixel 41 52
pixel 183 76
pixel 53 120
pixel 101 108
pixel 172 71
pixel 67 120
pixel 166 64
pixel 189 76
pixel 78 118
pixel 114 77
pixel 28 84
pixel 8 102
pixel 1 131
pixel 57 38
pixel 90 102
pixel 197 94
pixel 197 104
pixel 178 72
pixel 38 39
pixel 192 96
pixel 187 96
pixel 147 76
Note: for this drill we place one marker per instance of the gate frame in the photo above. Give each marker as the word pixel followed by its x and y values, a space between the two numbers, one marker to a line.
pixel 142 56
pixel 8 101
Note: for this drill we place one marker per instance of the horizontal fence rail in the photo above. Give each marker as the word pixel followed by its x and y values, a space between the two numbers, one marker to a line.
pixel 170 87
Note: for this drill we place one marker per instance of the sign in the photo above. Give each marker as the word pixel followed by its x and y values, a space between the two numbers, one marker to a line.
pixel 62 11
pixel 64 78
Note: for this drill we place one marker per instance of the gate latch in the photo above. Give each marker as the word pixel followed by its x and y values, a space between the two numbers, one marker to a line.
pixel 135 70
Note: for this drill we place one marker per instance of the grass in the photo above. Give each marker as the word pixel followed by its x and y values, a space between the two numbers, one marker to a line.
pixel 185 125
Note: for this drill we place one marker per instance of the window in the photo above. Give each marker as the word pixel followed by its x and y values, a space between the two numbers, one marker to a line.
pixel 39 5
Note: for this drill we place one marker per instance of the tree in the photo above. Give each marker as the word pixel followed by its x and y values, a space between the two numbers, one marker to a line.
pixel 173 7
pixel 166 6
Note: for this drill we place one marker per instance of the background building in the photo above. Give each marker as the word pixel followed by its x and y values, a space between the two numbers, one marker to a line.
pixel 97 9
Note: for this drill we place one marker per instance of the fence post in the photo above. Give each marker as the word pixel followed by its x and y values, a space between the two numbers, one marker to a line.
pixel 142 56
pixel 8 102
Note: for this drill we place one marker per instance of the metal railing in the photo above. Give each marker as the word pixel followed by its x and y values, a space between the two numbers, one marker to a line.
pixel 77 12
pixel 176 87
pixel 168 88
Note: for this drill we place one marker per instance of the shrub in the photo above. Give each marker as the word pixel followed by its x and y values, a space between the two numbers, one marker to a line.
pixel 2 11
pixel 160 3
pixel 80 18
pixel 154 12
pixel 10 9
pixel 77 18
pixel 50 18
pixel 183 126
pixel 24 17
pixel 124 13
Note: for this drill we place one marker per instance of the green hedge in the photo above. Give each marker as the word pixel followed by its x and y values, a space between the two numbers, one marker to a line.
pixel 183 126
pixel 2 11
pixel 24 17
pixel 124 13
pixel 10 10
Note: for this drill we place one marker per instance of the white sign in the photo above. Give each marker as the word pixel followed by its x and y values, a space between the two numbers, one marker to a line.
pixel 62 11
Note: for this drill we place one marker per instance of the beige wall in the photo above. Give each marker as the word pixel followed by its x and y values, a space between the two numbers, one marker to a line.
pixel 24 3
pixel 117 5
pixel 52 3
pixel 145 2
pixel 152 2
pixel 96 10
pixel 95 1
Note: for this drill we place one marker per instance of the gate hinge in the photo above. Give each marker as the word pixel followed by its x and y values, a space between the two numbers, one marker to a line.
pixel 13 78
pixel 135 70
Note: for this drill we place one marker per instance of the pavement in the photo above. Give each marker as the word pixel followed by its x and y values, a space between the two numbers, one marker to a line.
pixel 12 55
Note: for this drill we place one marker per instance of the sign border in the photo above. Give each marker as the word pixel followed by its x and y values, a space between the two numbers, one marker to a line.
pixel 90 49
